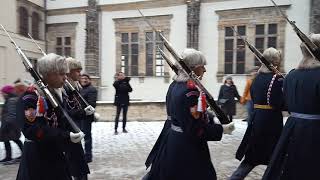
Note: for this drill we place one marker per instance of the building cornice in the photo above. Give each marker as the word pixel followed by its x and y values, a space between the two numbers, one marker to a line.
pixel 29 3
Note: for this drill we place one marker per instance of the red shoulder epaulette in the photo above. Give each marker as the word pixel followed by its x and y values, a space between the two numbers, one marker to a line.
pixel 191 85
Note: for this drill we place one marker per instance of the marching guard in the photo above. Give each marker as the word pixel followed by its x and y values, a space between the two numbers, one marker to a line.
pixel 296 155
pixel 75 154
pixel 161 141
pixel 266 122
pixel 46 130
pixel 185 154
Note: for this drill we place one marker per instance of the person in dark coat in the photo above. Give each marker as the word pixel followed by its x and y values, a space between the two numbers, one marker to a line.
pixel 10 129
pixel 161 141
pixel 228 91
pixel 185 154
pixel 121 99
pixel 296 155
pixel 266 122
pixel 90 94
pixel 46 130
pixel 75 154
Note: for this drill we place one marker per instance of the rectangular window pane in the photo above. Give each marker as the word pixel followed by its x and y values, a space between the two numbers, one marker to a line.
pixel 272 42
pixel 240 62
pixel 228 32
pixel 149 65
pixel 134 37
pixel 228 56
pixel 242 30
pixel 240 44
pixel 59 51
pixel 59 41
pixel 149 36
pixel 228 44
pixel 124 49
pixel 134 49
pixel 260 43
pixel 134 65
pixel 260 29
pixel 67 51
pixel 124 37
pixel 67 40
pixel 228 68
pixel 149 48
pixel 273 28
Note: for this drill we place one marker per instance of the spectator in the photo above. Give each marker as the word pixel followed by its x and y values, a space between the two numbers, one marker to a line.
pixel 121 99
pixel 9 130
pixel 89 93
pixel 246 98
pixel 227 93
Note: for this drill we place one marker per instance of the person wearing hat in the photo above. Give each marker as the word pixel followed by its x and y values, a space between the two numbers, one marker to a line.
pixel 228 91
pixel 9 130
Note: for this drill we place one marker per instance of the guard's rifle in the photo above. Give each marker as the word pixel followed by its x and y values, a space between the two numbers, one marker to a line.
pixel 209 98
pixel 55 104
pixel 259 55
pixel 311 47
pixel 70 86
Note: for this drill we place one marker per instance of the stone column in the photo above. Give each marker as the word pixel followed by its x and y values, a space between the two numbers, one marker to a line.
pixel 193 20
pixel 92 61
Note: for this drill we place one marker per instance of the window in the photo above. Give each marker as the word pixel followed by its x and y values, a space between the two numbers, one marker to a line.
pixel 265 37
pixel 35 25
pixel 63 46
pixel 130 53
pixel 23 21
pixel 154 60
pixel 234 51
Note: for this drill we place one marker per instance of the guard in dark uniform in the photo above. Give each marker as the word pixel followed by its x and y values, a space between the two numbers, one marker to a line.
pixel 185 154
pixel 46 131
pixel 158 146
pixel 296 155
pixel 266 122
pixel 75 154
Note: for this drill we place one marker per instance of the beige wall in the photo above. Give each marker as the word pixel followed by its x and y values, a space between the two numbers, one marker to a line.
pixel 8 15
pixel 11 67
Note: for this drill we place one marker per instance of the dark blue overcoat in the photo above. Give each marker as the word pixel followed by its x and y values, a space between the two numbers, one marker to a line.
pixel 265 126
pixel 296 156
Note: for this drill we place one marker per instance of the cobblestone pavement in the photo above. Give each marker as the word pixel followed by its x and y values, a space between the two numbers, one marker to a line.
pixel 122 156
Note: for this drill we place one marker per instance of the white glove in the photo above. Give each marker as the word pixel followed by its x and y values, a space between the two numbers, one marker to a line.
pixel 89 110
pixel 76 137
pixel 228 128
pixel 96 116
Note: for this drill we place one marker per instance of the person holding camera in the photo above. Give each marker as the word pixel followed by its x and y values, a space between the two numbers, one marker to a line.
pixel 121 99
pixel 228 91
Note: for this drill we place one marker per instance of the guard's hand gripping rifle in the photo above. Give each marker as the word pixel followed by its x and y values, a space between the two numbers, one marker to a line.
pixel 87 107
pixel 259 55
pixel 209 98
pixel 55 104
pixel 311 47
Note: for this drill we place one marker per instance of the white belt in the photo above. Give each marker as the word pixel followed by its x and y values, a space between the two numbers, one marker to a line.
pixel 305 116
pixel 176 128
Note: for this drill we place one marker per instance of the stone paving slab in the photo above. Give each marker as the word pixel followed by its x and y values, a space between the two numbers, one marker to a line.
pixel 122 157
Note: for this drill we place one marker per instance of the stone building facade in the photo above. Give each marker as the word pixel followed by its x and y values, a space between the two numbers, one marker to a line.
pixel 110 36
